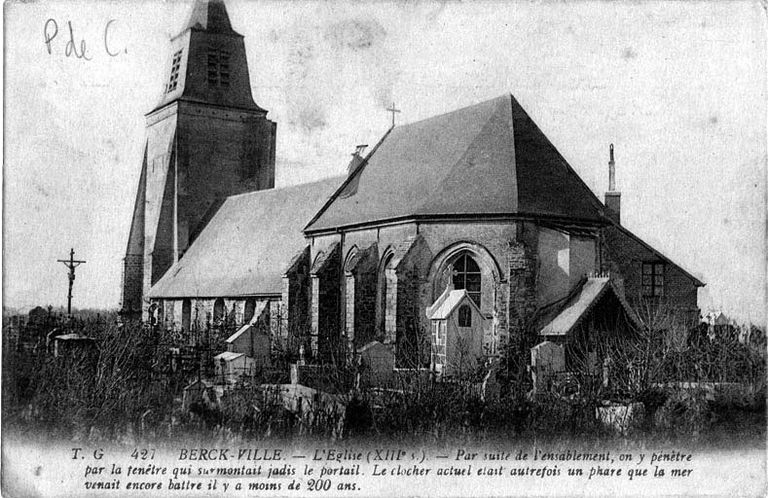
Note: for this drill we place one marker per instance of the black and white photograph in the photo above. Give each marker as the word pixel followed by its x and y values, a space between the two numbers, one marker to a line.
pixel 384 248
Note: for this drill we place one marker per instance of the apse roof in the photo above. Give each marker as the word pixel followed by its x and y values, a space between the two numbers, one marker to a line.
pixel 485 159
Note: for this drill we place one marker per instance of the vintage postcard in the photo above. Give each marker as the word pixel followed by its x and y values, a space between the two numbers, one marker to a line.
pixel 415 248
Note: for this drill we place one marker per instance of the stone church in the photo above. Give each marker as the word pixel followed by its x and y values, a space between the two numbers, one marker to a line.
pixel 477 200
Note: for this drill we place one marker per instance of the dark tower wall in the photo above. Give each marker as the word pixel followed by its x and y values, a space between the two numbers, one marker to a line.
pixel 206 140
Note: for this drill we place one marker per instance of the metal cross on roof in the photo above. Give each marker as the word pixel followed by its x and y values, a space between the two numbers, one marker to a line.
pixel 394 111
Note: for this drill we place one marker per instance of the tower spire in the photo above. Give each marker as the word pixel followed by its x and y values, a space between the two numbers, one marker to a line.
pixel 208 62
pixel 209 15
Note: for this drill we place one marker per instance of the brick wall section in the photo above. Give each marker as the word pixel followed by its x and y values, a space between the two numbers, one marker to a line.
pixel 521 264
pixel 624 255
pixel 498 335
pixel 439 342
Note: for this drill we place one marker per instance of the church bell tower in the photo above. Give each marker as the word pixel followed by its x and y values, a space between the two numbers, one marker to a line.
pixel 206 139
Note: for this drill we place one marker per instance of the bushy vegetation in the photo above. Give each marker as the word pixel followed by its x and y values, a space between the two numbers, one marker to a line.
pixel 131 387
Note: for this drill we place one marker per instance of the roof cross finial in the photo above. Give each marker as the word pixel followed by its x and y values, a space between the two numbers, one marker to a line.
pixel 393 110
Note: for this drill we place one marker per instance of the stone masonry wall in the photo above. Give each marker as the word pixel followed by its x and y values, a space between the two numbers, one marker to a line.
pixel 522 266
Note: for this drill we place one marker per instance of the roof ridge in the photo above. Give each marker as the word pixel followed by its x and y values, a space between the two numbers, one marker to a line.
pixel 283 187
pixel 454 111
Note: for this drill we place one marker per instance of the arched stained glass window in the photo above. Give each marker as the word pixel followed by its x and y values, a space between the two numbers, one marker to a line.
pixel 466 275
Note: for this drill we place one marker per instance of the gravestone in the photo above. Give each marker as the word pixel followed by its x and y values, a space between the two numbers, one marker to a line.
pixel 547 359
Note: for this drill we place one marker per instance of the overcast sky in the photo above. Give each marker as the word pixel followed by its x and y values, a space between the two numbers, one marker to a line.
pixel 679 88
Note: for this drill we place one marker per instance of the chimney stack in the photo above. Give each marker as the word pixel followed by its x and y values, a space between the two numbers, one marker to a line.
pixel 613 196
pixel 357 159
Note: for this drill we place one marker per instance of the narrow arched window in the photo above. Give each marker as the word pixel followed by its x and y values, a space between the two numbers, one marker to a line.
pixel 186 314
pixel 467 275
pixel 218 311
pixel 383 290
pixel 465 316
pixel 249 310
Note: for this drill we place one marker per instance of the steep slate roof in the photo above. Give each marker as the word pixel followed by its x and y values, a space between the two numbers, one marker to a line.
pixel 447 302
pixel 247 245
pixel 227 356
pixel 620 229
pixel 561 319
pixel 486 159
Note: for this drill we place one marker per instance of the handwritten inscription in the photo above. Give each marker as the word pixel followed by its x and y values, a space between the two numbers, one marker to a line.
pixel 74 45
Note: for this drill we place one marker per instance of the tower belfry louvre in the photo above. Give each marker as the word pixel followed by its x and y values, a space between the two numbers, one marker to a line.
pixel 206 139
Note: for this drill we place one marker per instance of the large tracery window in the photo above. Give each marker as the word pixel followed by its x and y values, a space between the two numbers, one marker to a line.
pixel 466 275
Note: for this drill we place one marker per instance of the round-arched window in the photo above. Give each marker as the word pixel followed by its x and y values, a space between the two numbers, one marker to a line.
pixel 383 290
pixel 467 275
pixel 218 311
pixel 186 314
pixel 249 310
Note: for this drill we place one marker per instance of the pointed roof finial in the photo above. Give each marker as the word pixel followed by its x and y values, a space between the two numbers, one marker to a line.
pixel 210 15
